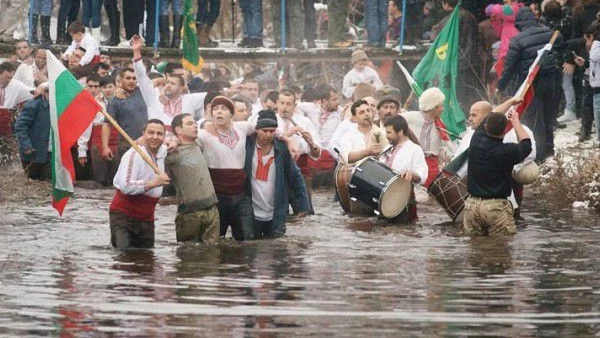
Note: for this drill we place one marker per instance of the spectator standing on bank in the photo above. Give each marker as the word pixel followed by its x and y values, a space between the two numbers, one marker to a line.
pixel 337 12
pixel 522 51
pixel 583 14
pixel 376 16
pixel 395 19
pixel 114 22
pixel 294 19
pixel 177 7
pixel 91 17
pixel 133 17
pixel 67 14
pixel 40 11
pixel 310 23
pixel 208 12
pixel 253 23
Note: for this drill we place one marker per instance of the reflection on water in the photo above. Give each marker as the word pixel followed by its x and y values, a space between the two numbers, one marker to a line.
pixel 330 276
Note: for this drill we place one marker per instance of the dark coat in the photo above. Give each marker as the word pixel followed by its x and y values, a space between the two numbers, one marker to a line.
pixel 523 48
pixel 287 175
pixel 33 130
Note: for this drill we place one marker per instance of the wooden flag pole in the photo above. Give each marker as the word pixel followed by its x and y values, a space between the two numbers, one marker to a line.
pixel 135 146
pixel 409 99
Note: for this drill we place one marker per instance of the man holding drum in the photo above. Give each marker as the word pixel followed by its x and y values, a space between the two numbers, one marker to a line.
pixel 407 158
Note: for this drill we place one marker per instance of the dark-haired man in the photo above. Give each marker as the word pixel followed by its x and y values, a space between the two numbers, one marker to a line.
pixel 488 211
pixel 12 92
pixel 272 173
pixel 197 215
pixel 364 138
pixel 138 190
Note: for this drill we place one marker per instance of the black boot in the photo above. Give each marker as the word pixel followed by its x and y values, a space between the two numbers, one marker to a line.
pixel 114 21
pixel 163 24
pixel 211 42
pixel 177 22
pixel 244 43
pixel 45 23
pixel 33 30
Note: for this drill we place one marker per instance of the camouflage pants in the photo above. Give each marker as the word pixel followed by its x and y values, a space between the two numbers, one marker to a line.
pixel 488 217
pixel 199 226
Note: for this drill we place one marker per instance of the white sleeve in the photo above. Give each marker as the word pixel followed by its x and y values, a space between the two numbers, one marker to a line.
pixel 347 87
pixel 310 128
pixel 70 49
pixel 25 75
pixel 193 104
pixel 91 49
pixel 82 141
pixel 147 89
pixel 376 80
pixel 23 91
pixel 595 51
pixel 125 177
pixel 420 165
pixel 345 148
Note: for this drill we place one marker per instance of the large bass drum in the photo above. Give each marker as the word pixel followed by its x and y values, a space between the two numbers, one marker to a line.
pixel 450 192
pixel 379 187
pixel 342 178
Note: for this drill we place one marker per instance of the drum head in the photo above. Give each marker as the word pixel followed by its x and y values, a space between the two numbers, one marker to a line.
pixel 394 197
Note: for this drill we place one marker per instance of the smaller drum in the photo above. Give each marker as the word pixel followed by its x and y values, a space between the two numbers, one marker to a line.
pixel 379 187
pixel 450 192
pixel 342 178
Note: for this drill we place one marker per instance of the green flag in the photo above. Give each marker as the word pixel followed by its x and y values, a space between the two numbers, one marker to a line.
pixel 191 60
pixel 439 68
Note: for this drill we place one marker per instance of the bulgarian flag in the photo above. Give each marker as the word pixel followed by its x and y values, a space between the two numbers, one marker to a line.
pixel 72 110
pixel 191 60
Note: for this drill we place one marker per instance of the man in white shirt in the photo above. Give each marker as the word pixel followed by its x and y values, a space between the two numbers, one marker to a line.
pixel 171 101
pixel 360 73
pixel 12 92
pixel 407 158
pixel 430 130
pixel 35 72
pixel 138 191
pixel 365 138
pixel 301 130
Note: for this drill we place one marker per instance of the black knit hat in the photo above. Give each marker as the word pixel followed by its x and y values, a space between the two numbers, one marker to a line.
pixel 266 119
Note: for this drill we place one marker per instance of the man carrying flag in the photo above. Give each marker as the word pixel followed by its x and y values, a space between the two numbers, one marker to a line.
pixel 522 52
pixel 72 109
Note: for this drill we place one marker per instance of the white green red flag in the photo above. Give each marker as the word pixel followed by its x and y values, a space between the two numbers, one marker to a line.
pixel 72 110
pixel 411 81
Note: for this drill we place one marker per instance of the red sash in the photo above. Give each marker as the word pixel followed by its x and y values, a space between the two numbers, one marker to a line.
pixel 96 138
pixel 324 162
pixel 140 207
pixel 434 169
pixel 302 163
pixel 6 116
pixel 229 182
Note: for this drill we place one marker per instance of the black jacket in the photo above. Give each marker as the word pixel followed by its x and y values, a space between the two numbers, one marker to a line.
pixel 523 48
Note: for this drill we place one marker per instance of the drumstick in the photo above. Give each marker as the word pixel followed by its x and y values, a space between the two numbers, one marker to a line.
pixel 339 155
pixel 386 149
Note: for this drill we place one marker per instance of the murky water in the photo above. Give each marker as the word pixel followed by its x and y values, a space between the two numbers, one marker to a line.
pixel 330 276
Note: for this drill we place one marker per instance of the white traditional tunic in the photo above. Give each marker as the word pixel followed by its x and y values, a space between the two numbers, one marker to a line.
pixel 263 192
pixel 226 151
pixel 354 77
pixel 325 123
pixel 27 72
pixel 303 122
pixel 134 171
pixel 88 43
pixel 187 103
pixel 407 156
pixel 14 93
pixel 354 140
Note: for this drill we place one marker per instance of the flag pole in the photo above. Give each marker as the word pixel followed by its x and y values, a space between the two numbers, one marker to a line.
pixel 409 99
pixel 134 144
pixel 402 24
pixel 528 82
pixel 283 23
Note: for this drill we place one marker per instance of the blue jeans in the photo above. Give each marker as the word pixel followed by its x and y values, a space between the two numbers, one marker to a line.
pixel 208 12
pixel 253 18
pixel 177 6
pixel 91 13
pixel 376 17
pixel 41 7
pixel 597 114
pixel 262 229
pixel 569 90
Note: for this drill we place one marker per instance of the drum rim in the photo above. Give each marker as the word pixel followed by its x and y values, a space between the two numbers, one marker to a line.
pixel 337 189
pixel 384 190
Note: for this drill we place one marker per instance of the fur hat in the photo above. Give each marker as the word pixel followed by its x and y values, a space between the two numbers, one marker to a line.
pixel 224 101
pixel 358 55
pixel 430 99
pixel 386 94
pixel 527 174
pixel 266 119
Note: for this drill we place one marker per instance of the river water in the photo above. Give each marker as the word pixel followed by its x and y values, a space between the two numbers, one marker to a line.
pixel 330 276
